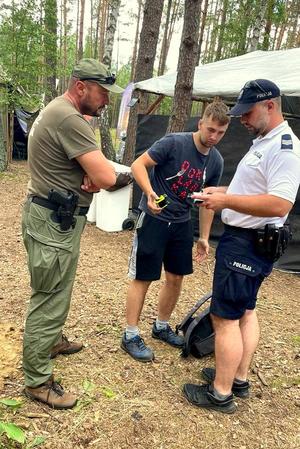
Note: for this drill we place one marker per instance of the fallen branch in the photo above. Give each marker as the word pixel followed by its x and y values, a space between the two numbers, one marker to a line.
pixel 262 379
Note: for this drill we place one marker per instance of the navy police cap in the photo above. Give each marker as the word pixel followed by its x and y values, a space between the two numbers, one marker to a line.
pixel 253 92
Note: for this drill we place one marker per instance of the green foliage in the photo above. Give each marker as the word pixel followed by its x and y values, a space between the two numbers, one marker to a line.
pixel 71 57
pixel 13 432
pixel 36 442
pixel 88 386
pixel 12 403
pixel 108 393
pixel 165 106
pixel 89 389
pixel 21 49
pixel 123 75
pixel 82 403
pixel 279 12
pixel 16 434
pixel 296 340
pixel 240 17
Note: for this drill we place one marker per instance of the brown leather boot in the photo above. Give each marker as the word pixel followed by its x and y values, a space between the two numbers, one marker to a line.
pixel 52 394
pixel 65 347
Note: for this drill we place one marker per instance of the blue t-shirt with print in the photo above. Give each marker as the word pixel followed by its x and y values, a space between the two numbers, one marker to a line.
pixel 181 170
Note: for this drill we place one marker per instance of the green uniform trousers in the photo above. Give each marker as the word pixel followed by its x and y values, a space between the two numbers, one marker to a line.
pixel 52 261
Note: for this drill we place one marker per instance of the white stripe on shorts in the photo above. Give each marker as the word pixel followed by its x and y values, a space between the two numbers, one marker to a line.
pixel 132 258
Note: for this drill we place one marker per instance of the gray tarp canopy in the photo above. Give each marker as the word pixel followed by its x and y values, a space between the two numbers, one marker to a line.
pixel 225 78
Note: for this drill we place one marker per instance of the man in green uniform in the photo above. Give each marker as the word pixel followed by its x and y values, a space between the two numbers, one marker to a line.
pixel 66 167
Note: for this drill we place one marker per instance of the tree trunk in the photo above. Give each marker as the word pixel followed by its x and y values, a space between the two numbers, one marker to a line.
pixel 285 25
pixel 182 100
pixel 65 56
pixel 222 29
pixel 163 51
pixel 92 30
pixel 243 39
pixel 50 48
pixel 80 39
pixel 110 31
pixel 60 50
pixel 103 14
pixel 77 28
pixel 144 67
pixel 275 37
pixel 136 39
pixel 208 33
pixel 203 23
pixel 212 44
pixel 3 142
pixel 293 24
pixel 106 140
pixel 258 26
pixel 174 18
pixel 269 14
pixel 97 30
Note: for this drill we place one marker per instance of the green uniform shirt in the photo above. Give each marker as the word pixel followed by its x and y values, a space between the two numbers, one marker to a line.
pixel 59 135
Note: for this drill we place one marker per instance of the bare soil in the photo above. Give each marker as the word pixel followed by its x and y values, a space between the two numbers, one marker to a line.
pixel 125 404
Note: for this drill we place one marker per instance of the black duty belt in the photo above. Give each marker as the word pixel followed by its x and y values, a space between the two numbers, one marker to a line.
pixel 80 210
pixel 248 234
pixel 270 241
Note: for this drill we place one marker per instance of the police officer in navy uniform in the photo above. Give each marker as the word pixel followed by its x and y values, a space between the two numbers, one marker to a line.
pixel 254 208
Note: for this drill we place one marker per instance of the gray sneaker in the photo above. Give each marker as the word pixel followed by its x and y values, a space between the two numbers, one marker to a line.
pixel 137 349
pixel 168 336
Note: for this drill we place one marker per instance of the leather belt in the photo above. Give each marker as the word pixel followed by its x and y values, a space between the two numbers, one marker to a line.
pixel 80 210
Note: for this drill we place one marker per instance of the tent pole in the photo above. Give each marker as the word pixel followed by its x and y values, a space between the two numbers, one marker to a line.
pixel 10 136
pixel 154 105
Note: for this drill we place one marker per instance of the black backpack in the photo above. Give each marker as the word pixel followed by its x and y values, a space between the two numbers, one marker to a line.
pixel 199 337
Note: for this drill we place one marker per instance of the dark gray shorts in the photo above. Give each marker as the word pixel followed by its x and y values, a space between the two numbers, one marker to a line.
pixel 156 243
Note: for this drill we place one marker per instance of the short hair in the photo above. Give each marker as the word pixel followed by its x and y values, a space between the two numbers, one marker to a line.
pixel 217 110
pixel 72 82
pixel 278 101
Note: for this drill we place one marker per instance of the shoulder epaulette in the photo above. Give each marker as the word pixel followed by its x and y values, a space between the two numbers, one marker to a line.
pixel 286 142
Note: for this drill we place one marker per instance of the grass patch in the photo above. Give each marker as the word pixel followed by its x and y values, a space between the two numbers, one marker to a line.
pixel 296 340
pixel 285 382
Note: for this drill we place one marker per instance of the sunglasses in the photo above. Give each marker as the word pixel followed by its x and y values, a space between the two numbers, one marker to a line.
pixel 111 79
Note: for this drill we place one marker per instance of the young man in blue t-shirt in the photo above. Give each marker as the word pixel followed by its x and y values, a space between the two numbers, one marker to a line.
pixel 179 164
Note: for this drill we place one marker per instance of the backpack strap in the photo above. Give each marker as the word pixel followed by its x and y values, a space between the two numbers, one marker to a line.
pixel 187 343
pixel 193 310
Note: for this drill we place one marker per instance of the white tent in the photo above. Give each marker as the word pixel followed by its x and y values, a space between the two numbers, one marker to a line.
pixel 225 78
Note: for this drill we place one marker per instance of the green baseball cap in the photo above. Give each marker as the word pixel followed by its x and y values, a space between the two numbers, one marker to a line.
pixel 89 69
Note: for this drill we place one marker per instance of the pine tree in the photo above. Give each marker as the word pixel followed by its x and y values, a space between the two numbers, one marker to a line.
pixel 182 100
pixel 144 67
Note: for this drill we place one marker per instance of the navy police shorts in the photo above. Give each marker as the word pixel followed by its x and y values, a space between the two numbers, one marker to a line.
pixel 238 274
pixel 156 243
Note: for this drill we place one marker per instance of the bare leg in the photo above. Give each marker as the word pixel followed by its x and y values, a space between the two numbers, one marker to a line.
pixel 135 300
pixel 250 334
pixel 168 295
pixel 228 352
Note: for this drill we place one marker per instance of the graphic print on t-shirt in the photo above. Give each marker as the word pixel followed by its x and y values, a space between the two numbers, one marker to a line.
pixel 187 180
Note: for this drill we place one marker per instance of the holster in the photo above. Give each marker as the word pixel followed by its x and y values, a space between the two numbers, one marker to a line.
pixel 66 205
pixel 272 241
pixel 66 218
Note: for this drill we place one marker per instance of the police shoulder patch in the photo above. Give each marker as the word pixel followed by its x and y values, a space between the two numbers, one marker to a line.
pixel 286 142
